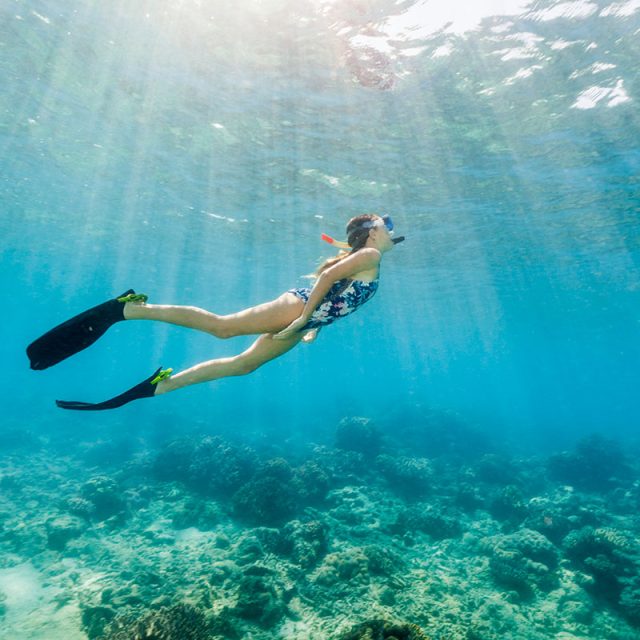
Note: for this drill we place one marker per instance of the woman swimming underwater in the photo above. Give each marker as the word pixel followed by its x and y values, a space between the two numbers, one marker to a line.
pixel 343 284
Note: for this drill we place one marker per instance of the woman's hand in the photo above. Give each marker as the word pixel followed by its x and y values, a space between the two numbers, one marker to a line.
pixel 310 336
pixel 294 327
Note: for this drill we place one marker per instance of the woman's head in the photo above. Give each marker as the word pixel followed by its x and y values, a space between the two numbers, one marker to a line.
pixel 365 230
pixel 368 227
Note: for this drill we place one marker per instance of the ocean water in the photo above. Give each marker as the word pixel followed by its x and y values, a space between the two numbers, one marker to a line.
pixel 196 150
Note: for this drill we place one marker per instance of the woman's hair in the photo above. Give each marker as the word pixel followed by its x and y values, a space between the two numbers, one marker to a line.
pixel 357 234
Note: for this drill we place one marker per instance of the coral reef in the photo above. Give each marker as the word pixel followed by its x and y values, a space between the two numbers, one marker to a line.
pixel 360 435
pixel 317 543
pixel 209 465
pixel 270 497
pixel 607 555
pixel 306 542
pixel 521 561
pixel 597 464
pixel 428 519
pixel 407 475
pixel 259 600
pixel 384 630
pixel 63 528
pixel 103 494
pixel 178 622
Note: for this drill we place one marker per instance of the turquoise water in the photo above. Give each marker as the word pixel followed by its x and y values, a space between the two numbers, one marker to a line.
pixel 197 150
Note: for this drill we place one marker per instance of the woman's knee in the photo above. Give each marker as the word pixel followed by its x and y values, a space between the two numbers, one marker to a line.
pixel 246 366
pixel 222 327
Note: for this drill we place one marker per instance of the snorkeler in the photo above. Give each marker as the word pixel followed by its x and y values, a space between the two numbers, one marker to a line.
pixel 343 284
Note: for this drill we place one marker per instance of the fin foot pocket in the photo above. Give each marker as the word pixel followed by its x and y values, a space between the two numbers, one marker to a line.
pixel 133 297
pixel 145 389
pixel 163 375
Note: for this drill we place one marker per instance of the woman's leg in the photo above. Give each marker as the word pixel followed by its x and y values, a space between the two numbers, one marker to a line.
pixel 269 317
pixel 265 348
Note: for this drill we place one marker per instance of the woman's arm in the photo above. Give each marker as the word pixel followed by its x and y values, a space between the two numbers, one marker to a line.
pixel 362 260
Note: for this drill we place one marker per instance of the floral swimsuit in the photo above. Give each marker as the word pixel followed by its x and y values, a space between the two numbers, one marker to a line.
pixel 344 297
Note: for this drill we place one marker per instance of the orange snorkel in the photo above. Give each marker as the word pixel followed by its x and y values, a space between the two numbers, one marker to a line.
pixel 335 243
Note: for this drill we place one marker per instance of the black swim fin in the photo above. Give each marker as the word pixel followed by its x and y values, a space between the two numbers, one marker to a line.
pixel 145 389
pixel 79 332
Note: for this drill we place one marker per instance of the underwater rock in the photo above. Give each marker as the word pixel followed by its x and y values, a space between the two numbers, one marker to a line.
pixel 428 519
pixel 548 519
pixel 222 571
pixel 384 630
pixel 383 561
pixel 629 601
pixel 270 497
pixel 62 529
pixel 409 476
pixel 173 461
pixel 306 542
pixel 178 622
pixel 259 601
pixel 248 550
pixel 359 435
pixel 313 482
pixel 508 505
pixel 577 611
pixel 210 465
pixel 496 619
pixel 343 467
pixel 104 494
pixel 271 539
pixel 219 467
pixel 95 619
pixel 80 507
pixel 201 514
pixel 533 545
pixel 343 567
pixel 597 464
pixel 467 496
pixel 510 571
pixel 605 554
pixel 521 561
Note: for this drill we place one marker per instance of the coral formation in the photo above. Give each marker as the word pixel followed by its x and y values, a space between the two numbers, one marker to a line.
pixel 62 529
pixel 521 561
pixel 286 546
pixel 597 464
pixel 178 622
pixel 429 519
pixel 270 497
pixel 605 554
pixel 306 542
pixel 384 630
pixel 407 475
pixel 104 495
pixel 360 435
pixel 259 601
pixel 209 465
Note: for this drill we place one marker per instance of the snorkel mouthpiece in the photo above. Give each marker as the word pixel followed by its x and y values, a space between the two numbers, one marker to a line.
pixel 397 240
